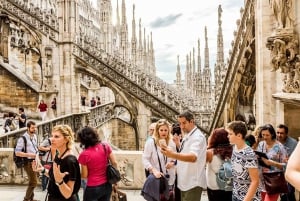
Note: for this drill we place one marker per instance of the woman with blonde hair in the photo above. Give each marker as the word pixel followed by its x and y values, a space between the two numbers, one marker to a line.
pixel 256 133
pixel 64 175
pixel 154 161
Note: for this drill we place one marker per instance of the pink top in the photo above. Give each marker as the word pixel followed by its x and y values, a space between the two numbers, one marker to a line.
pixel 95 160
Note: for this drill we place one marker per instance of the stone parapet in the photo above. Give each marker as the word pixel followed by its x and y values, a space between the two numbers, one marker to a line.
pixel 129 164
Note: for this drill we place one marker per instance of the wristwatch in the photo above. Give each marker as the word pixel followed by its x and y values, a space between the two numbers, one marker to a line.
pixel 59 183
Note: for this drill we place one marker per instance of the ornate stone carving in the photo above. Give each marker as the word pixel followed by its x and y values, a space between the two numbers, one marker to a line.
pixel 285 56
pixel 283 11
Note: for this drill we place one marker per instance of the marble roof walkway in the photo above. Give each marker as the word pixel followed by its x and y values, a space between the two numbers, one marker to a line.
pixel 16 193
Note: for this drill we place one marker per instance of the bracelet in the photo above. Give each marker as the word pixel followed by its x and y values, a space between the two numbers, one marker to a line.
pixel 59 183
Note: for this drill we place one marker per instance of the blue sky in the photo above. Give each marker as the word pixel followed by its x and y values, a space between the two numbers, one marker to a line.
pixel 177 25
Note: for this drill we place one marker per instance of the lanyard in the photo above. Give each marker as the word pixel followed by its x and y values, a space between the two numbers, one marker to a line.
pixel 182 144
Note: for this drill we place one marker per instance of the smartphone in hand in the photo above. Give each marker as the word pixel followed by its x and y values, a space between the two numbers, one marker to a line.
pixel 162 142
pixel 56 159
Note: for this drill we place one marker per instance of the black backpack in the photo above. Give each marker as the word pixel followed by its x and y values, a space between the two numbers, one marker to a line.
pixel 21 161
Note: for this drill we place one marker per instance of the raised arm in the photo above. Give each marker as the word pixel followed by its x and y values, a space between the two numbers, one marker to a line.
pixel 292 173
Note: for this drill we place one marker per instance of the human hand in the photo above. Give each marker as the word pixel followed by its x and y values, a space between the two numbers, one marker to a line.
pixel 267 161
pixel 167 151
pixel 176 140
pixel 170 164
pixel 36 167
pixel 156 173
pixel 58 175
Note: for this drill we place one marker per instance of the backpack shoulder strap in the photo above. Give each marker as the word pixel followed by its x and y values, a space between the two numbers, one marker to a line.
pixel 25 143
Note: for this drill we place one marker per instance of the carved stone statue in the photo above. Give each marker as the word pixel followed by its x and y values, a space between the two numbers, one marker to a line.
pixel 283 12
pixel 279 55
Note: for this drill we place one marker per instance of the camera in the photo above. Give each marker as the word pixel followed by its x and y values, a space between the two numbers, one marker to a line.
pixel 176 129
pixel 42 153
pixel 167 176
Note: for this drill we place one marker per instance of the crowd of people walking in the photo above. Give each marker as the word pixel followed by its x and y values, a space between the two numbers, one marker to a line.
pixel 179 162
pixel 245 160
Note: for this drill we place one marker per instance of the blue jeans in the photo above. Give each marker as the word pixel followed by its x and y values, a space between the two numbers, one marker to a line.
pixel 44 182
pixel 98 193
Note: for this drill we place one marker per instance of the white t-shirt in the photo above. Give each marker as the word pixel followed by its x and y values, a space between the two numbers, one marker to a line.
pixel 211 169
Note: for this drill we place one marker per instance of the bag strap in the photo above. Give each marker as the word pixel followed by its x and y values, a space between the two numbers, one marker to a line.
pixel 25 143
pixel 157 156
pixel 49 152
pixel 105 153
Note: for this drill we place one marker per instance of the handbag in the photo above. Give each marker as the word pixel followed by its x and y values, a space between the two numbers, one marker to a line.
pixel 275 182
pixel 163 182
pixel 117 195
pixel 113 175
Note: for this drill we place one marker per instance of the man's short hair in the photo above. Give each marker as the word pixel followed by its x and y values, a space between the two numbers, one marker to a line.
pixel 29 123
pixel 286 129
pixel 188 115
pixel 21 109
pixel 238 127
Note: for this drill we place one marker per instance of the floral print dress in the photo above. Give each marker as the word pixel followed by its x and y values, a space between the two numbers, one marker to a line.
pixel 276 153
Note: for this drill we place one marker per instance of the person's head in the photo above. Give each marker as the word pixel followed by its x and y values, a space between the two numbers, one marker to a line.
pixel 218 140
pixel 11 114
pixel 42 101
pixel 88 137
pixel 21 110
pixel 31 127
pixel 237 131
pixel 250 140
pixel 5 115
pixel 256 133
pixel 176 130
pixel 62 136
pixel 186 121
pixel 219 137
pixel 162 130
pixel 268 132
pixel 152 128
pixel 282 132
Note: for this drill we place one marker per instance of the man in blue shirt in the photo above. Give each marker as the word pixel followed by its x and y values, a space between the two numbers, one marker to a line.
pixel 289 144
pixel 30 154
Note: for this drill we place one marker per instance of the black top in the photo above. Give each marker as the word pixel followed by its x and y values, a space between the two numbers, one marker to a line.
pixel 22 124
pixel 68 164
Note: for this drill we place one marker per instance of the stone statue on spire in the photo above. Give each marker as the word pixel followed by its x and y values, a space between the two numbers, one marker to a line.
pixel 220 14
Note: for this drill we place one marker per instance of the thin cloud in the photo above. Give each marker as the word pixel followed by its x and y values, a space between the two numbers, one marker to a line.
pixel 162 22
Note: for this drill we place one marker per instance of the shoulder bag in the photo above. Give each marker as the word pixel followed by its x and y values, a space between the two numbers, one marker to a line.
pixel 113 175
pixel 275 182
